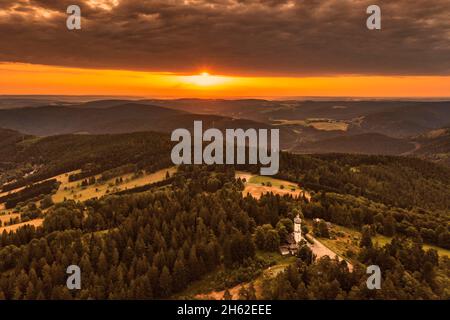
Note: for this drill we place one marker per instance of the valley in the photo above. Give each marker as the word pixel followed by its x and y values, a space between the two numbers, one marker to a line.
pixel 307 126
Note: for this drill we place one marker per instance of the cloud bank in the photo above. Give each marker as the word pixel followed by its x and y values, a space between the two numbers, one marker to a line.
pixel 245 37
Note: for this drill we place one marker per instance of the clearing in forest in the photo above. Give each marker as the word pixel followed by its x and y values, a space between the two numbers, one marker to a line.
pixel 74 191
pixel 259 185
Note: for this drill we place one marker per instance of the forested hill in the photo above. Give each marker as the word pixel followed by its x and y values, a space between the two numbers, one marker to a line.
pixel 52 120
pixel 50 156
pixel 116 119
pixel 156 244
pixel 366 143
pixel 398 181
pixel 8 142
pixel 435 146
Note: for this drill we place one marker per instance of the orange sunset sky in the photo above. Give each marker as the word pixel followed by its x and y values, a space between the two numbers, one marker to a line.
pixel 19 78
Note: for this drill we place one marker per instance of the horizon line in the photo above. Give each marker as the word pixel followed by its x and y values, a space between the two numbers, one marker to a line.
pixel 225 98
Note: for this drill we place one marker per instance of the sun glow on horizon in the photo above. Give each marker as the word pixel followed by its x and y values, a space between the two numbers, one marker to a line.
pixel 33 79
pixel 205 79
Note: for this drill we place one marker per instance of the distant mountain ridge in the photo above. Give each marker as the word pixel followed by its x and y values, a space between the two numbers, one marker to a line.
pixel 350 126
pixel 52 120
pixel 113 117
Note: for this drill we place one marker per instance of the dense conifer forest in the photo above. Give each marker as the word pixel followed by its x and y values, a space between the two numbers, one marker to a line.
pixel 154 244
pixel 155 241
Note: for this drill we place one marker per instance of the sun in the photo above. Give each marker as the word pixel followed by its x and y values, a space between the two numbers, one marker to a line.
pixel 205 79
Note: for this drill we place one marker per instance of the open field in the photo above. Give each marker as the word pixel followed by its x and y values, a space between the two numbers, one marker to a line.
pixel 14 227
pixel 283 122
pixel 383 240
pixel 74 190
pixel 2 194
pixel 330 126
pixel 274 182
pixel 319 124
pixel 243 175
pixel 6 217
pixel 259 185
pixel 62 178
pixel 345 240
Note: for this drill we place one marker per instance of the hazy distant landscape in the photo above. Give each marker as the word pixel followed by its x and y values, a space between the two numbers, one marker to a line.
pixel 413 128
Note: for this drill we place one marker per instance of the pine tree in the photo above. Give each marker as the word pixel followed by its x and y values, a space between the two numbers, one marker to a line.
pixel 165 282
pixel 227 295
pixel 366 237
pixel 179 275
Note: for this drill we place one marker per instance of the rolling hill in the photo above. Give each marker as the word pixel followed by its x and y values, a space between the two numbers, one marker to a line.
pixel 434 146
pixel 307 126
pixel 52 120
pixel 35 159
pixel 367 143
pixel 117 116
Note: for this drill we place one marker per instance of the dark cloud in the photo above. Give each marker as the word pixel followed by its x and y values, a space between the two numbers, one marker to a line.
pixel 273 37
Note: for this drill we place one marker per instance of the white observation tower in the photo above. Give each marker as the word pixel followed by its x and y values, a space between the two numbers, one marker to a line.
pixel 297 229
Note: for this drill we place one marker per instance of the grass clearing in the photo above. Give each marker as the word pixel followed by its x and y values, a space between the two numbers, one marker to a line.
pixel 74 191
pixel 346 240
pixel 284 122
pixel 6 217
pixel 330 126
pixel 319 124
pixel 14 227
pixel 259 185
pixel 274 182
pixel 383 240
pixel 63 178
